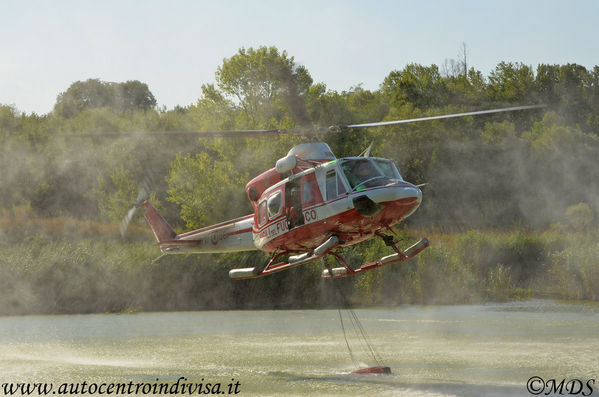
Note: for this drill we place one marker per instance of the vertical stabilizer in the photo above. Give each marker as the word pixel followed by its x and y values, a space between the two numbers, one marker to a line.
pixel 162 230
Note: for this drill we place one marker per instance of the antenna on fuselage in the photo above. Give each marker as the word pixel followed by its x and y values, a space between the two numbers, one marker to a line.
pixel 366 153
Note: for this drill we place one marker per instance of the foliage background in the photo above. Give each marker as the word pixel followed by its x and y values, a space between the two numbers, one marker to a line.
pixel 510 203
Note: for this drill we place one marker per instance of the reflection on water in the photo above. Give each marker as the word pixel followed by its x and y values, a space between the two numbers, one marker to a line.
pixel 433 351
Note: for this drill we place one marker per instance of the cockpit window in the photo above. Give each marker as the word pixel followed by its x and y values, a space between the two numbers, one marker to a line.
pixel 262 213
pixel 388 168
pixel 334 185
pixel 366 173
pixel 358 171
pixel 274 205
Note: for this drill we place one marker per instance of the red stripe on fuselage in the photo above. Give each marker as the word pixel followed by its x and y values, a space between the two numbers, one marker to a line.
pixel 249 229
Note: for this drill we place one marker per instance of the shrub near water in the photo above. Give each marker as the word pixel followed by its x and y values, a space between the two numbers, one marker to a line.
pixel 39 275
pixel 444 279
pixel 574 271
pixel 64 277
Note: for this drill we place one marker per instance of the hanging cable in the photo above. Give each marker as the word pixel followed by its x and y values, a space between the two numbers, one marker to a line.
pixel 359 330
pixel 358 327
pixel 346 341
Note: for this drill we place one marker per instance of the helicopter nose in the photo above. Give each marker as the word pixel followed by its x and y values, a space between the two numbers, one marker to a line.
pixel 402 192
pixel 404 198
pixel 412 192
pixel 401 195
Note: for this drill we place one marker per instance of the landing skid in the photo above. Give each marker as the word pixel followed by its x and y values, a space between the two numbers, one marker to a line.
pixel 294 260
pixel 398 256
pixel 326 249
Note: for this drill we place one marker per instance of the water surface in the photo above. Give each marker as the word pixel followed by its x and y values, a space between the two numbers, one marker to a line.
pixel 474 350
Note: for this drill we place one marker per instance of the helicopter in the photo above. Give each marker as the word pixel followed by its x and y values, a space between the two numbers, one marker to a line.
pixel 308 206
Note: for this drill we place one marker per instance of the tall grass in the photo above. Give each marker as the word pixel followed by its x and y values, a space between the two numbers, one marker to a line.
pixel 47 268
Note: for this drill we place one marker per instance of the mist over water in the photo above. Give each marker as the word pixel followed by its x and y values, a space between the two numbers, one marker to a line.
pixel 490 349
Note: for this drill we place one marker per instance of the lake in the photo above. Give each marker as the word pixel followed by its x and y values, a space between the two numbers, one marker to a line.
pixel 471 350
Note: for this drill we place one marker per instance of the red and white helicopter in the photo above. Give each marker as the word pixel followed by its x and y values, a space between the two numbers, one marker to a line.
pixel 307 207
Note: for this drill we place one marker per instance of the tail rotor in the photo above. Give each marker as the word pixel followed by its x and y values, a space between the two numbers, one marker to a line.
pixel 143 195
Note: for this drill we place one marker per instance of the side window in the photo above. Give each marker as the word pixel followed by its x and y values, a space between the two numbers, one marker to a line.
pixel 274 205
pixel 331 182
pixel 262 213
pixel 307 191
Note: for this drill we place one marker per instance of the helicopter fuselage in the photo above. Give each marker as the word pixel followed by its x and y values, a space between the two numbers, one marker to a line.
pixel 298 205
pixel 352 198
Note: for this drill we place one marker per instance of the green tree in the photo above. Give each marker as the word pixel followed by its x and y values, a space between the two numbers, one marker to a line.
pixel 267 84
pixel 593 98
pixel 207 188
pixel 327 107
pixel 467 89
pixel 212 111
pixel 511 82
pixel 421 86
pixel 132 95
pixel 82 95
pixel 546 82
pixel 94 93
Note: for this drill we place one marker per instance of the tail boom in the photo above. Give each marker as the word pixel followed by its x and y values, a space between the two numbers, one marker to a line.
pixel 230 236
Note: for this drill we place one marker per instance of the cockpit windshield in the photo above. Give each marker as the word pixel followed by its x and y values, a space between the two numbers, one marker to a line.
pixel 388 168
pixel 367 172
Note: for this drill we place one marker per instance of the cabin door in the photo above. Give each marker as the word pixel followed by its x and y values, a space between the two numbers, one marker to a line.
pixel 293 204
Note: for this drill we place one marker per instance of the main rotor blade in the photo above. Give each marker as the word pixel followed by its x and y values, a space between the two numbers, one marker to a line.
pixel 203 134
pixel 445 116
pixel 308 131
pixel 305 131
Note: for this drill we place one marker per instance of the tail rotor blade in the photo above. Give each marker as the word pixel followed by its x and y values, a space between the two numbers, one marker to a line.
pixel 142 195
pixel 126 220
pixel 144 190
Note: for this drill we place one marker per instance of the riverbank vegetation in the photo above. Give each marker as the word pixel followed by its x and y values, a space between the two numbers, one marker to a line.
pixel 83 275
pixel 510 203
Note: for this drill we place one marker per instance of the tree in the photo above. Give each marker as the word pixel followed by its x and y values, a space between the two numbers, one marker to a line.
pixel 546 82
pixel 213 111
pixel 593 98
pixel 207 187
pixel 132 95
pixel 421 86
pixel 511 82
pixel 81 95
pixel 266 84
pixel 94 93
pixel 574 83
